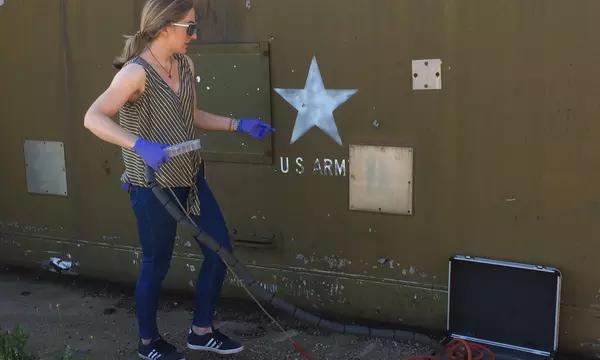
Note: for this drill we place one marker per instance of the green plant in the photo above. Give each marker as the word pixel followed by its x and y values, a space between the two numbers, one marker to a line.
pixel 12 345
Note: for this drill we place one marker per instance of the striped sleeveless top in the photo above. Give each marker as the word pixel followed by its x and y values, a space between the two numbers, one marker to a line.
pixel 163 116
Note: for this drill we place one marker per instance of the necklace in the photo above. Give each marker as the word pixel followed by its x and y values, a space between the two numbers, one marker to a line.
pixel 165 69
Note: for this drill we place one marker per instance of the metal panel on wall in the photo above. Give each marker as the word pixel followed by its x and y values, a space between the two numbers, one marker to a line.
pixel 381 179
pixel 233 80
pixel 45 167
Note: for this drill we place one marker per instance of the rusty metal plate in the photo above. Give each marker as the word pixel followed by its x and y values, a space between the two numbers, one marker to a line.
pixel 45 167
pixel 381 179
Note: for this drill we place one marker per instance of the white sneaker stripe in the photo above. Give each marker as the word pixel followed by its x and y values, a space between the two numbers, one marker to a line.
pixel 154 355
pixel 209 344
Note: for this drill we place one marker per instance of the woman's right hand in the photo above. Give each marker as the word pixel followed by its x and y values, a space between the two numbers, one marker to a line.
pixel 153 154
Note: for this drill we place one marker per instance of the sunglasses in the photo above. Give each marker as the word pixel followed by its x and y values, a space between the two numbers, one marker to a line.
pixel 191 28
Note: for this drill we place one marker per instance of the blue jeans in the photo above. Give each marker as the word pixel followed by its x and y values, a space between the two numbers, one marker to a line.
pixel 156 231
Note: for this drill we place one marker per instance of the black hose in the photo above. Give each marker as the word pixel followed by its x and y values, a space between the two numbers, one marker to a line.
pixel 244 275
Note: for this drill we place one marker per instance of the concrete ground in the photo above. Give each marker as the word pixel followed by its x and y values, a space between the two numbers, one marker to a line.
pixel 96 319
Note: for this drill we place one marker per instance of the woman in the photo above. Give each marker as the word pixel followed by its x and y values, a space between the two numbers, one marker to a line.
pixel 155 97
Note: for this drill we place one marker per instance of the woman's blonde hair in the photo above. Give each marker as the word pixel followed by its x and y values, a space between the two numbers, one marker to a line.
pixel 155 16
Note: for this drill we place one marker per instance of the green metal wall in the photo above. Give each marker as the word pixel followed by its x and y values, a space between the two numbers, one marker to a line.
pixel 506 154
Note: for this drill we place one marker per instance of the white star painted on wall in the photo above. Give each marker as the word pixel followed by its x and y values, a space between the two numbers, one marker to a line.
pixel 315 104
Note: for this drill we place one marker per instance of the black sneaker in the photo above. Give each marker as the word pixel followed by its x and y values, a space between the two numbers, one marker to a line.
pixel 215 342
pixel 159 349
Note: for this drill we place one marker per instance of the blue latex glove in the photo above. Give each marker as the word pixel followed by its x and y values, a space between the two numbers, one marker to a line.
pixel 125 186
pixel 153 154
pixel 256 128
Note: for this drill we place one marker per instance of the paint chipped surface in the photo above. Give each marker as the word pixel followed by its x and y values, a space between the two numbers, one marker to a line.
pixel 25 228
pixel 333 262
pixel 317 291
pixel 111 238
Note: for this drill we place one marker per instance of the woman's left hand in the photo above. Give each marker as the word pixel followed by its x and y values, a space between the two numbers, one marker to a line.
pixel 254 127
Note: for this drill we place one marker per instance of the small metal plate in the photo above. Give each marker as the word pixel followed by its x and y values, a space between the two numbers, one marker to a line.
pixel 427 74
pixel 45 167
pixel 381 179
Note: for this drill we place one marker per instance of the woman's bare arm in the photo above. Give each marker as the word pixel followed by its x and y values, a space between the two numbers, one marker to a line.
pixel 127 85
